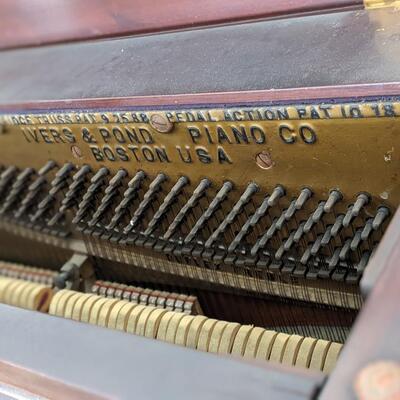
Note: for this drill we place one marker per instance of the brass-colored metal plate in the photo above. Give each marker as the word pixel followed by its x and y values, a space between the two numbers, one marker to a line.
pixel 352 147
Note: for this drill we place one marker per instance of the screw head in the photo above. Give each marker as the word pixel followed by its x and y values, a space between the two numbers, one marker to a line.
pixel 76 151
pixel 161 123
pixel 264 160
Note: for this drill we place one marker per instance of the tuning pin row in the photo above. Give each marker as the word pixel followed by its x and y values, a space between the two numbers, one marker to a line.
pixel 17 188
pixel 57 184
pixel 190 204
pixel 278 223
pixel 34 189
pixel 153 189
pixel 168 200
pixel 73 193
pixel 284 236
pixel 213 206
pixel 6 176
pixel 253 220
pixel 251 189
pixel 96 182
pixel 128 197
pixel 354 210
pixel 110 193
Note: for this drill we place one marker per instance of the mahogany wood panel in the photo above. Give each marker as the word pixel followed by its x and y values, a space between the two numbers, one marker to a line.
pixel 345 92
pixel 27 23
pixel 341 48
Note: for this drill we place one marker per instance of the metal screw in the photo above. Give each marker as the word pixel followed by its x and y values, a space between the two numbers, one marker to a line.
pixel 264 160
pixel 161 123
pixel 76 151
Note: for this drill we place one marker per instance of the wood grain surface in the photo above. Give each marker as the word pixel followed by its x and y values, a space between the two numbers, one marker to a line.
pixel 27 23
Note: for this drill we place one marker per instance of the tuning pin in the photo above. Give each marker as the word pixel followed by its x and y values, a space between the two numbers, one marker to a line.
pixel 289 241
pixel 62 174
pixel 304 195
pixel 47 168
pixel 261 242
pixel 282 219
pixel 277 193
pixel 218 199
pixel 362 200
pixel 34 189
pixel 251 222
pixel 76 185
pixel 337 226
pixel 300 232
pixel 280 252
pixel 16 189
pixel 316 245
pixel 196 195
pixel 326 237
pixel 363 262
pixel 168 200
pixel 116 181
pixel 306 256
pixel 344 252
pixel 128 196
pixel 367 230
pixel 57 184
pixel 285 246
pixel 381 215
pixel 354 210
pixel 6 176
pixel 110 193
pixel 99 175
pixel 333 262
pixel 288 214
pixel 95 184
pixel 355 242
pixel 154 187
pixel 334 197
pixel 237 208
pixel 315 217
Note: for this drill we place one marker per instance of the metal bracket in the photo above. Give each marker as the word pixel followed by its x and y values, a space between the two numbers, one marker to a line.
pixel 76 274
